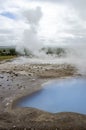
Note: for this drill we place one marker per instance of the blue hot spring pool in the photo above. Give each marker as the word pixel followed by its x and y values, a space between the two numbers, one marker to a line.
pixel 64 95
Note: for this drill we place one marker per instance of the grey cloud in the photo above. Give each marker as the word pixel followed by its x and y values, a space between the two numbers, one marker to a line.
pixel 6 39
pixel 79 6
pixel 5 31
pixel 33 16
pixel 47 0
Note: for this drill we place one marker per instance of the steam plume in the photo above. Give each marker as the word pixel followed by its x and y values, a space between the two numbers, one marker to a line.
pixel 30 40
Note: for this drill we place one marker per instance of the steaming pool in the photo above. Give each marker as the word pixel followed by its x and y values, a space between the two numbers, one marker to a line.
pixel 64 95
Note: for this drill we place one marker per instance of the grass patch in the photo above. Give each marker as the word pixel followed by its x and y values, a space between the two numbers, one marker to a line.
pixel 6 57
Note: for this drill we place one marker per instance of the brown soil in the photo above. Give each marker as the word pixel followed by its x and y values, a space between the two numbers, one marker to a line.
pixel 19 80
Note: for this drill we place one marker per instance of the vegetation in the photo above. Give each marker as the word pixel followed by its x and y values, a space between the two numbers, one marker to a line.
pixel 54 51
pixel 7 53
pixel 6 57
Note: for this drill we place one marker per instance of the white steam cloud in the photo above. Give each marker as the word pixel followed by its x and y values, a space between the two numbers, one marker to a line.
pixel 31 40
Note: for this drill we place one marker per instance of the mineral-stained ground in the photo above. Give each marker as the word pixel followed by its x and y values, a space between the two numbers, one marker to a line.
pixel 18 80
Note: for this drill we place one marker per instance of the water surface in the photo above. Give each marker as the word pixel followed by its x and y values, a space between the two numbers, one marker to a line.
pixel 64 95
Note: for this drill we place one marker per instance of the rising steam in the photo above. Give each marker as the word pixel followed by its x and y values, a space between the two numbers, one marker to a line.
pixel 74 52
pixel 30 41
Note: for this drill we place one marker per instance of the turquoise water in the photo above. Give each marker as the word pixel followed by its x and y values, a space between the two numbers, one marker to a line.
pixel 64 95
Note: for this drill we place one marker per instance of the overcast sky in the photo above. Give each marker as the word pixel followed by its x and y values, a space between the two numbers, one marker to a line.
pixel 42 22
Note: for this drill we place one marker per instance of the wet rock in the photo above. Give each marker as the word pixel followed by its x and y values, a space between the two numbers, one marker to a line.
pixel 1 97
pixel 7 103
pixel 10 72
pixel 30 74
pixel 19 87
pixel 33 79
pixel 14 126
pixel 11 79
pixel 16 74
pixel 1 76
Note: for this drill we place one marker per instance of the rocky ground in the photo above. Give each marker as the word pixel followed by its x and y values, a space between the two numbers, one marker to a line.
pixel 18 80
